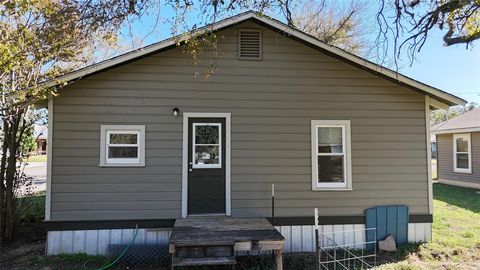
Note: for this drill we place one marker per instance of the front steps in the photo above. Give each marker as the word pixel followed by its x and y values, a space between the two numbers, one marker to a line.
pixel 203 241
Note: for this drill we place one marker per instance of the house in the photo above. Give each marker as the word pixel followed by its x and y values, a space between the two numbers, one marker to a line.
pixel 40 133
pixel 458 144
pixel 139 139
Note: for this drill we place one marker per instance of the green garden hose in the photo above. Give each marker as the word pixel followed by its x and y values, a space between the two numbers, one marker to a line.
pixel 107 266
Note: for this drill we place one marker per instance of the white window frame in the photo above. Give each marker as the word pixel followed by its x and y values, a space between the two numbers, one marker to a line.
pixel 347 162
pixel 468 138
pixel 195 144
pixel 106 130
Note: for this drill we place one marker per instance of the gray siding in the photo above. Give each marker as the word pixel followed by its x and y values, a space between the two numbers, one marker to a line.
pixel 271 101
pixel 445 159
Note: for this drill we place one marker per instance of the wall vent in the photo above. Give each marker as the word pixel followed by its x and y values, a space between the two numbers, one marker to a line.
pixel 250 44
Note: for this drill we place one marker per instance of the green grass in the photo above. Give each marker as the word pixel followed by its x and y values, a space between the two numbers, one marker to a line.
pixel 456 233
pixel 39 158
pixel 457 216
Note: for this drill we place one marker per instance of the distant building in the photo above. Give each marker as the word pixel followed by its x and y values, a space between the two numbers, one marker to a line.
pixel 41 134
pixel 458 150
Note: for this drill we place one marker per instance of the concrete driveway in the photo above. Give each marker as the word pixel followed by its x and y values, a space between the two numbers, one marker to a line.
pixel 37 170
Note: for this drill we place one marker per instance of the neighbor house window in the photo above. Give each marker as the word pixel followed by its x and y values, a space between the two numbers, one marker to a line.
pixel 331 161
pixel 462 153
pixel 122 145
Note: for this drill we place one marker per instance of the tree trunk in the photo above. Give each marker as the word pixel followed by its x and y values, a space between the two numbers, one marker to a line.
pixel 10 176
pixel 3 166
pixel 9 196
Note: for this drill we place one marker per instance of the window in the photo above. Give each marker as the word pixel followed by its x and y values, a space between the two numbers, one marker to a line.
pixel 207 152
pixel 122 145
pixel 462 153
pixel 331 161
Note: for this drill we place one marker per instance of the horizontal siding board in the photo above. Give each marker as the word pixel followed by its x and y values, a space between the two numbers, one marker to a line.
pixel 292 187
pixel 253 73
pixel 323 211
pixel 102 88
pixel 286 196
pixel 132 187
pixel 360 178
pixel 116 205
pixel 243 116
pixel 118 179
pixel 250 104
pixel 271 102
pixel 151 196
pixel 94 214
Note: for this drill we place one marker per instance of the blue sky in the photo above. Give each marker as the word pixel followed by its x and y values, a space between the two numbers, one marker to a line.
pixel 454 69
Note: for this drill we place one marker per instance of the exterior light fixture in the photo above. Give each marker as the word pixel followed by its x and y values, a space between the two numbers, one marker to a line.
pixel 175 111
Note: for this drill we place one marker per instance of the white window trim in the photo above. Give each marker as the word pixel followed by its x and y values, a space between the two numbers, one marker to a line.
pixel 468 137
pixel 219 144
pixel 106 130
pixel 347 162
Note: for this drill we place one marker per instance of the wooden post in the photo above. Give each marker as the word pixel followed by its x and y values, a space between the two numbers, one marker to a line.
pixel 273 205
pixel 278 259
pixel 173 261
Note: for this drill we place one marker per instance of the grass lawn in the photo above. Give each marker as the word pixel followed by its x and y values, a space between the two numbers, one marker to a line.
pixel 456 233
pixel 39 158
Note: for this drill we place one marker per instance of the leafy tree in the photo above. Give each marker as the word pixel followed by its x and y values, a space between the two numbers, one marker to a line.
pixel 41 39
pixel 344 26
pixel 439 116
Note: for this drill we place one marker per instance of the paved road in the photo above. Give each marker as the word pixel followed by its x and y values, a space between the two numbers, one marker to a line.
pixel 37 170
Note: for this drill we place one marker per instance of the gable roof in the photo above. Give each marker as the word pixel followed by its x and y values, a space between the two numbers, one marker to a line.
pixel 396 77
pixel 467 122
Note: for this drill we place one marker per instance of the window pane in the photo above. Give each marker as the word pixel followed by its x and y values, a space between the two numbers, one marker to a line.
pixel 206 134
pixel 462 161
pixel 122 152
pixel 206 155
pixel 462 145
pixel 330 140
pixel 123 138
pixel 330 169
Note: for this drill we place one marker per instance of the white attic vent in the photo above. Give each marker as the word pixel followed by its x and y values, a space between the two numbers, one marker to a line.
pixel 250 44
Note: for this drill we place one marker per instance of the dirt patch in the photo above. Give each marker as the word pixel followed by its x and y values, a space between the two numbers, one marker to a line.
pixel 21 256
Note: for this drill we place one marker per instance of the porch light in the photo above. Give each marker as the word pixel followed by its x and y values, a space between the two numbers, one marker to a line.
pixel 175 111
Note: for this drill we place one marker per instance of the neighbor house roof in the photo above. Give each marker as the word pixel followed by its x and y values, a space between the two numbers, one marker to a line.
pixel 40 131
pixel 467 122
pixel 437 94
